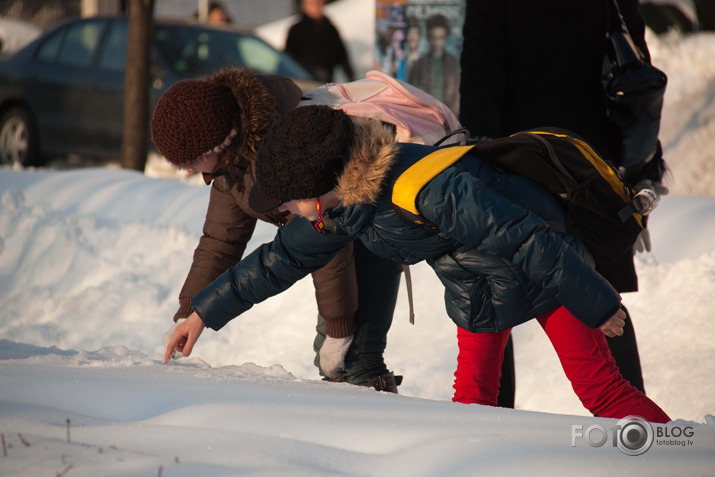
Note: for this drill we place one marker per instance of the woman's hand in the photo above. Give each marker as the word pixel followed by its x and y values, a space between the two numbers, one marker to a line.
pixel 614 325
pixel 185 336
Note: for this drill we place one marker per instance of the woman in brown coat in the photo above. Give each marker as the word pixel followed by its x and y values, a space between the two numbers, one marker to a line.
pixel 215 126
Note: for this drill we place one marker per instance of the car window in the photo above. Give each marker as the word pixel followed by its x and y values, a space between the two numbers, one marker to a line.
pixel 199 51
pixel 48 50
pixel 80 42
pixel 114 50
pixel 180 48
pixel 259 56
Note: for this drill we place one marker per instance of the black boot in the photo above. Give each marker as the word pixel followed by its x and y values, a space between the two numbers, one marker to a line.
pixel 387 382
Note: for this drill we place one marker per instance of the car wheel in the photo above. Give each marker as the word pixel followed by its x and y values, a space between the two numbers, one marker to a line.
pixel 18 139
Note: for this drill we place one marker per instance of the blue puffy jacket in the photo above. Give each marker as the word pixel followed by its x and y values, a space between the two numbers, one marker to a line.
pixel 497 248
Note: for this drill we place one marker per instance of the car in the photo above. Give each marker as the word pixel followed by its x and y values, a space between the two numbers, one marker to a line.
pixel 63 93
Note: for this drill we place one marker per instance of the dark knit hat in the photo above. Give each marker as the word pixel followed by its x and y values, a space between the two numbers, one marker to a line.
pixel 301 156
pixel 192 118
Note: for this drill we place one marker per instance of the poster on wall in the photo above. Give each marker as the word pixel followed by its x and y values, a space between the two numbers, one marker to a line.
pixel 419 41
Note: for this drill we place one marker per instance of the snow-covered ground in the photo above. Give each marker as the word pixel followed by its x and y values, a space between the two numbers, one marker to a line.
pixel 91 263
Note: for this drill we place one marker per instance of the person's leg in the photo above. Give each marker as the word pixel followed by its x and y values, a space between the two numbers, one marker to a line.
pixel 624 349
pixel 479 366
pixel 507 383
pixel 378 282
pixel 621 273
pixel 593 373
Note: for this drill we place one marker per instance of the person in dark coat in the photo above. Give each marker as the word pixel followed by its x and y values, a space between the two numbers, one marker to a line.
pixel 491 246
pixel 534 63
pixel 316 45
pixel 215 127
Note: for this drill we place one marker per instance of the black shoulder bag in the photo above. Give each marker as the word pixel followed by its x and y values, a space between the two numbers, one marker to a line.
pixel 634 91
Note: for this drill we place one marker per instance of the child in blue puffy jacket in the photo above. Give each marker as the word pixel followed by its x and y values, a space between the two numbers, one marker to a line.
pixel 491 244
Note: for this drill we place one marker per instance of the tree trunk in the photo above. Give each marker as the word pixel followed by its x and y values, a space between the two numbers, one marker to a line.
pixel 135 139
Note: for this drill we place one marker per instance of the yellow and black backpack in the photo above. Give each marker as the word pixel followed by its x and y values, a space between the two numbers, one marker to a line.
pixel 601 209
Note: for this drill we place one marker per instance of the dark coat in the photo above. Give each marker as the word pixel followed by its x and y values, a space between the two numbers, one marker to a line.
pixel 500 261
pixel 534 63
pixel 316 45
pixel 230 221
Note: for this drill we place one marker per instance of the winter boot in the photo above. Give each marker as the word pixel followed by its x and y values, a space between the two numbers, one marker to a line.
pixel 387 382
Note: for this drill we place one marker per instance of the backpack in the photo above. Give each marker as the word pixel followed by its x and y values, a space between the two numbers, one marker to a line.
pixel 601 210
pixel 417 116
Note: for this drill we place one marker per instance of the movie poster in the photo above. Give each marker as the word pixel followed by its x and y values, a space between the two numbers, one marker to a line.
pixel 419 41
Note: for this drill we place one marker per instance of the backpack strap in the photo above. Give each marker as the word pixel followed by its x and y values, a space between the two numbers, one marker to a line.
pixel 411 182
pixel 410 300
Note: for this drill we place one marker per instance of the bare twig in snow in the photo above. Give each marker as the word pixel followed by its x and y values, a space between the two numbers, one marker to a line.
pixel 22 439
pixel 64 472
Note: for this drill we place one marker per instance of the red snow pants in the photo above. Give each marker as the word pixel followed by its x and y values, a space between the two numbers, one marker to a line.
pixel 584 356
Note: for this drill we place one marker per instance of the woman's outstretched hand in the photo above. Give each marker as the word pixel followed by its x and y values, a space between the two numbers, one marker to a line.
pixel 185 335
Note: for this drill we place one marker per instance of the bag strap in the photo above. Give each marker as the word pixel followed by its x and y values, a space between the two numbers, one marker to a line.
pixel 408 284
pixel 616 13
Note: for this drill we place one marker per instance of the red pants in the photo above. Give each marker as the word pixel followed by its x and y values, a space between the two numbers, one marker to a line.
pixel 584 356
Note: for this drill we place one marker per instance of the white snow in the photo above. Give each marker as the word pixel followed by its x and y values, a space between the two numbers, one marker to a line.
pixel 91 263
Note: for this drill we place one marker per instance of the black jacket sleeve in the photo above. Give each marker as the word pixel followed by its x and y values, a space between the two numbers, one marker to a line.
pixel 274 267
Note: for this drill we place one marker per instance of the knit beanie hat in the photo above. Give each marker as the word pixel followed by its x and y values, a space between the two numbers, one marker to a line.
pixel 192 118
pixel 301 156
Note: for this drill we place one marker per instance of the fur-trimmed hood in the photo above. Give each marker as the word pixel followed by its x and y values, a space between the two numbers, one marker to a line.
pixel 262 99
pixel 372 155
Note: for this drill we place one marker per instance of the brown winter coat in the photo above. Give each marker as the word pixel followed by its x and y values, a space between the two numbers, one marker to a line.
pixel 230 222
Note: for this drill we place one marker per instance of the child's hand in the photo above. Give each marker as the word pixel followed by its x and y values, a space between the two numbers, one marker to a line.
pixel 170 334
pixel 614 325
pixel 185 336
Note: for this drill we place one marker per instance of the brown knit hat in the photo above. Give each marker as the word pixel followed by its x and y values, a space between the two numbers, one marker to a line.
pixel 301 156
pixel 192 118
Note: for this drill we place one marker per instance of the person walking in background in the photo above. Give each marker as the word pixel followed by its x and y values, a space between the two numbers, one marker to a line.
pixel 315 43
pixel 528 64
pixel 217 14
pixel 490 244
pixel 437 71
pixel 214 126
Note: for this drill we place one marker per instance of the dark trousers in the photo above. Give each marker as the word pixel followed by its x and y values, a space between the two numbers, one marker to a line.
pixel 378 281
pixel 625 351
pixel 507 382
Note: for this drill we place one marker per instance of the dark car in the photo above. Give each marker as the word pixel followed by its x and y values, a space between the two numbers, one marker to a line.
pixel 64 92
